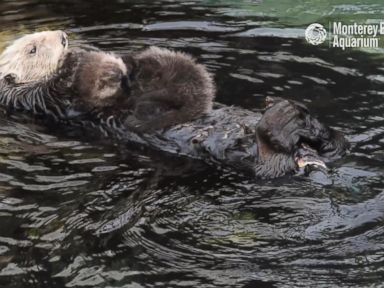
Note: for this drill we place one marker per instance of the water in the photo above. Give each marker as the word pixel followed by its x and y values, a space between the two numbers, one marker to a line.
pixel 81 213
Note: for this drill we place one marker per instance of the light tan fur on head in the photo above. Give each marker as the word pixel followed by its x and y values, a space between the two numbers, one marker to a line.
pixel 34 57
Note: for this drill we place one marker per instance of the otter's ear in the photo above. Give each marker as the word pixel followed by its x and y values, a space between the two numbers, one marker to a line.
pixel 10 78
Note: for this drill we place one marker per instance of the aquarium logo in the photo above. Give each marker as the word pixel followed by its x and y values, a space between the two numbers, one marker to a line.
pixel 315 34
pixel 356 35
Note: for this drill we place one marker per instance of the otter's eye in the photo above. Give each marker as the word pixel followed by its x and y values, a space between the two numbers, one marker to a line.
pixel 33 50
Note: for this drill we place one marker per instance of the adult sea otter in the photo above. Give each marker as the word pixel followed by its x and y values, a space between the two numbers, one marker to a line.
pixel 268 145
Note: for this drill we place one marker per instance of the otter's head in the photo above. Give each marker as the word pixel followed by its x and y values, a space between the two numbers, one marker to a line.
pixel 33 57
pixel 98 80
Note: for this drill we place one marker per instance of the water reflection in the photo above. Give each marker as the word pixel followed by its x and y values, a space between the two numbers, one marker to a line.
pixel 77 212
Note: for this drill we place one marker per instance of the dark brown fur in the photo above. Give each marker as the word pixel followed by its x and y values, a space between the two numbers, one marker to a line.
pixel 166 88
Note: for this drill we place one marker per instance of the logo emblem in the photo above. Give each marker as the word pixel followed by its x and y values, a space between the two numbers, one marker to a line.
pixel 315 34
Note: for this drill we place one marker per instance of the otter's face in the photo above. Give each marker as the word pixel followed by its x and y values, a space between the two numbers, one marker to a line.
pixel 99 80
pixel 34 57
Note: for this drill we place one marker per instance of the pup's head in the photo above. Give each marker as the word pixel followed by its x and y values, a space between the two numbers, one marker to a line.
pixel 33 57
pixel 99 80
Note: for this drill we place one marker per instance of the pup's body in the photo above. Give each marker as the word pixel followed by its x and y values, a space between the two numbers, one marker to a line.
pixel 166 88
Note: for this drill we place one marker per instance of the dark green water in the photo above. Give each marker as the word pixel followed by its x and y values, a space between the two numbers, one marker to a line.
pixel 80 213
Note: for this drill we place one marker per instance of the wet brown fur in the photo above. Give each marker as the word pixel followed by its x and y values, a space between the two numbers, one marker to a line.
pixel 166 88
pixel 97 79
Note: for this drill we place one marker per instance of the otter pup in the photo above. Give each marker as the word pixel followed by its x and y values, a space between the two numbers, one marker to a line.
pixel 163 88
pixel 166 88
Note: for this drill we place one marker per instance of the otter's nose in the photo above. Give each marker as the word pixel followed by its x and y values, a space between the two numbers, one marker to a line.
pixel 64 39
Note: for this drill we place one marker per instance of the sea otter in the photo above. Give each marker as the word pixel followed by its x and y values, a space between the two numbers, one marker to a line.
pixel 270 145
pixel 162 88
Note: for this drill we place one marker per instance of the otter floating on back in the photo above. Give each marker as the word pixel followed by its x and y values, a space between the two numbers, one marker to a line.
pixel 162 88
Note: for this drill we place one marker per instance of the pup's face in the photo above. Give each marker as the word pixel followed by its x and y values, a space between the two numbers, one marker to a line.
pixel 99 80
pixel 34 57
